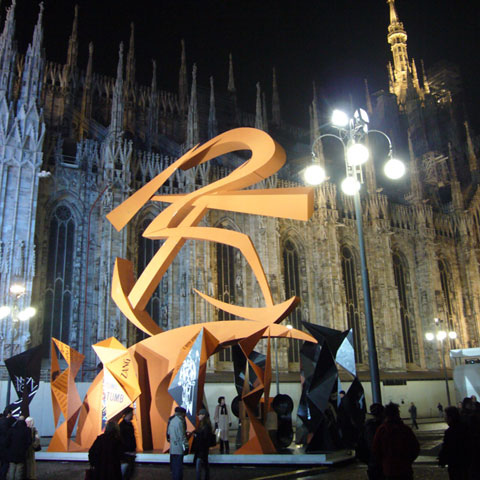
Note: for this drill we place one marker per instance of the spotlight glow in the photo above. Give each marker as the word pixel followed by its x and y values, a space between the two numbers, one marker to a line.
pixel 357 154
pixel 314 174
pixel 394 169
pixel 339 118
pixel 350 186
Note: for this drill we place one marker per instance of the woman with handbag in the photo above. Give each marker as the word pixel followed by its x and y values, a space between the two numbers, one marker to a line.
pixel 30 465
pixel 222 423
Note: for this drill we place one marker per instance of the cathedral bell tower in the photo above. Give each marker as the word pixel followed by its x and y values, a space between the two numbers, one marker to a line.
pixel 402 75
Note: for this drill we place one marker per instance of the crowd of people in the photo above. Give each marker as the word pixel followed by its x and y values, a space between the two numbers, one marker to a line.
pixel 389 447
pixel 19 440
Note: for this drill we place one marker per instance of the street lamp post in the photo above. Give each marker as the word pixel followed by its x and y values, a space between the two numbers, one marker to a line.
pixel 17 291
pixel 351 133
pixel 440 336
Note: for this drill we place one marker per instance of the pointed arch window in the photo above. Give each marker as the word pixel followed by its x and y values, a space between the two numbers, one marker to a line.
pixel 146 250
pixel 58 292
pixel 399 272
pixel 291 270
pixel 447 296
pixel 351 293
pixel 226 288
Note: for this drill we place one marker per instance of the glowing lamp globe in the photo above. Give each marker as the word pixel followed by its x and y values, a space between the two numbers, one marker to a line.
pixel 4 311
pixel 314 174
pixel 429 336
pixel 357 154
pixel 26 314
pixel 339 118
pixel 452 335
pixel 441 335
pixel 350 186
pixel 17 289
pixel 394 169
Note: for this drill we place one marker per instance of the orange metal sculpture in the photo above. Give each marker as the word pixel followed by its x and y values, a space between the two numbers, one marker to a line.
pixel 177 358
pixel 65 397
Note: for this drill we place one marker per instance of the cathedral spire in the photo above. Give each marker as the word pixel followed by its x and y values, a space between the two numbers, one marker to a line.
pixel 457 198
pixel 183 81
pixel 368 100
pixel 317 147
pixel 130 63
pixel 426 84
pixel 231 79
pixel 264 112
pixel 7 51
pixel 152 108
pixel 192 118
pixel 212 115
pixel 72 53
pixel 33 67
pixel 86 95
pixel 116 118
pixel 258 109
pixel 276 118
pixel 472 158
pixel 397 38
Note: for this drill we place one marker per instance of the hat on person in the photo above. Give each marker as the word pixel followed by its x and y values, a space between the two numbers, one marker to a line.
pixel 202 411
pixel 180 410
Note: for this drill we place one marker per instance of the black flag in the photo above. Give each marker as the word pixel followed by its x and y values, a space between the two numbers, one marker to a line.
pixel 24 371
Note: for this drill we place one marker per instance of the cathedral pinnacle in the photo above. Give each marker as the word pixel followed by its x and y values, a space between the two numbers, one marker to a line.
pixel 116 119
pixel 212 115
pixel 33 68
pixel 7 51
pixel 276 119
pixel 258 109
pixel 192 118
pixel 472 158
pixel 231 79
pixel 130 66
pixel 72 53
pixel 182 81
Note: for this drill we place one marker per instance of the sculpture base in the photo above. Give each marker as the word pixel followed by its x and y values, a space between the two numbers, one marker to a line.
pixel 326 458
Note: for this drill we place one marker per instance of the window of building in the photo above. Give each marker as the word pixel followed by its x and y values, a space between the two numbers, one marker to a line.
pixel 58 292
pixel 291 272
pixel 226 288
pixel 447 296
pixel 399 272
pixel 351 294
pixel 147 248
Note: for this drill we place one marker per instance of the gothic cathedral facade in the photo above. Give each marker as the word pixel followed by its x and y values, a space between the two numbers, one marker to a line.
pixel 74 144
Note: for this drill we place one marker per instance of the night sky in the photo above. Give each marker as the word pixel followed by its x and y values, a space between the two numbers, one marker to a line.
pixel 335 44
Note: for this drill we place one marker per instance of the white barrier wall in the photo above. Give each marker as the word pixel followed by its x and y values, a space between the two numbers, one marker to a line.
pixel 425 395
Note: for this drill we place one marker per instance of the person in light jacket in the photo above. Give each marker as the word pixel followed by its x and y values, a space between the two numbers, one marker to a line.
pixel 30 465
pixel 222 422
pixel 177 435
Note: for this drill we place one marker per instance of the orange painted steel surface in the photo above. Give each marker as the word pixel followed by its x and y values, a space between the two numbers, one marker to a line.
pixel 153 364
pixel 65 397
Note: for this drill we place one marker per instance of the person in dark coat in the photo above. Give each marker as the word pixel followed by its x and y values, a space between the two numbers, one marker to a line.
pixel 395 445
pixel 470 417
pixel 201 444
pixel 105 454
pixel 19 438
pixel 374 470
pixel 456 448
pixel 127 434
pixel 5 423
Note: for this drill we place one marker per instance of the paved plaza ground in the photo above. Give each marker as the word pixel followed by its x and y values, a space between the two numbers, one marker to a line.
pixel 430 436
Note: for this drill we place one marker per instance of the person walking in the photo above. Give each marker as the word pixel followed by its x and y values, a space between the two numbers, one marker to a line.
pixel 105 454
pixel 456 450
pixel 5 424
pixel 30 464
pixel 413 415
pixel 395 446
pixel 440 410
pixel 177 435
pixel 127 435
pixel 19 439
pixel 222 423
pixel 201 444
